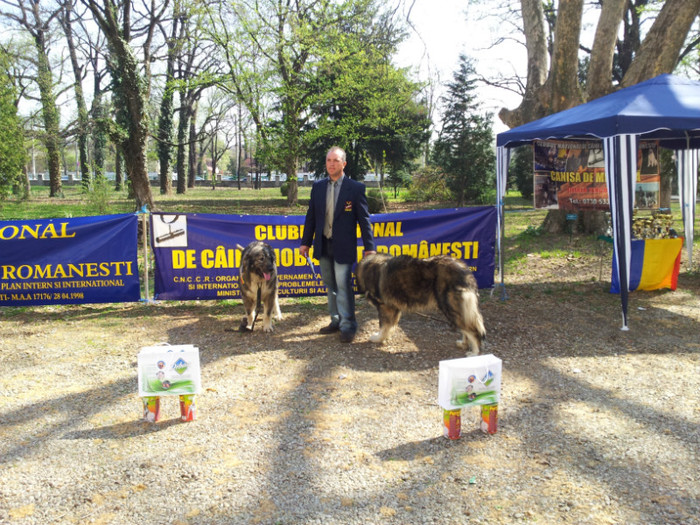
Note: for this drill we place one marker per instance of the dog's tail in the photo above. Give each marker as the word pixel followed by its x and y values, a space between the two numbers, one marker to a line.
pixel 475 330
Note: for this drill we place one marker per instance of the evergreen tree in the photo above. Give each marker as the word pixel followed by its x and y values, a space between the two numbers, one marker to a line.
pixel 464 148
pixel 521 170
pixel 12 152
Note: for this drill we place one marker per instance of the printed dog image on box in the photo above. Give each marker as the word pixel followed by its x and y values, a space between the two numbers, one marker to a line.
pixel 258 281
pixel 404 284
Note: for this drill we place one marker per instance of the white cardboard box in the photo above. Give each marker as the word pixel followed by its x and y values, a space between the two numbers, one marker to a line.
pixel 169 370
pixel 469 381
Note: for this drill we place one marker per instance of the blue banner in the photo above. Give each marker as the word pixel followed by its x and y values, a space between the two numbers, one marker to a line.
pixel 69 261
pixel 196 255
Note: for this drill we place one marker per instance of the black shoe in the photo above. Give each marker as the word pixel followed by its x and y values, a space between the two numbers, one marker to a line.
pixel 347 337
pixel 330 329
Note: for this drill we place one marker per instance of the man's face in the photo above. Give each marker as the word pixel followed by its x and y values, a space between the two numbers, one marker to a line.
pixel 334 165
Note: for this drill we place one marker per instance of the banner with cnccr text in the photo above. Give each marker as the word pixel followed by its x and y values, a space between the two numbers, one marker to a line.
pixel 69 261
pixel 196 255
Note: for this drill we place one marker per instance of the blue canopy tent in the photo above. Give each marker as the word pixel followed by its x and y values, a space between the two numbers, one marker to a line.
pixel 666 109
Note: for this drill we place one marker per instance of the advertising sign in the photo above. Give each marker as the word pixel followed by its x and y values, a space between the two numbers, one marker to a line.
pixel 197 255
pixel 69 261
pixel 571 176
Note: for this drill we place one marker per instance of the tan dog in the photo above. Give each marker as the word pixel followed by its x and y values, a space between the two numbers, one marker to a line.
pixel 258 281
pixel 404 283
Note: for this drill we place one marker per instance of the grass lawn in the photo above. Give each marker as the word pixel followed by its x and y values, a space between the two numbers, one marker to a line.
pixel 523 235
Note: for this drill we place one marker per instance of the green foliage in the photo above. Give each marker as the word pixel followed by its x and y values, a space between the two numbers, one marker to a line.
pixel 464 148
pixel 284 189
pixel 98 196
pixel 165 130
pixel 12 152
pixel 533 231
pixel 429 184
pixel 520 171
pixel 375 201
pixel 364 104
pixel 398 178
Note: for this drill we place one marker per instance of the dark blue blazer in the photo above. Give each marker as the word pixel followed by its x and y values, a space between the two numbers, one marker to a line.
pixel 350 210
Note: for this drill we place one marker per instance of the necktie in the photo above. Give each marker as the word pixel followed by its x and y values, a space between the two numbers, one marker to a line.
pixel 330 208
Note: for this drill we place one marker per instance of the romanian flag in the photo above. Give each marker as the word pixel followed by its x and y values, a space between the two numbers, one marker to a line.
pixel 655 264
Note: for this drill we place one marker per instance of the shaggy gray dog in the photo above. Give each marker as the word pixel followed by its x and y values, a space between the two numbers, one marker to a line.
pixel 404 283
pixel 258 281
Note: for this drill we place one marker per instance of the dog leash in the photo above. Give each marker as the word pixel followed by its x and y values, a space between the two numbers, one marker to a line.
pixel 313 268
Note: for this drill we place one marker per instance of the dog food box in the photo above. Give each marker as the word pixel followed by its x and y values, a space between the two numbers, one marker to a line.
pixel 169 371
pixel 469 381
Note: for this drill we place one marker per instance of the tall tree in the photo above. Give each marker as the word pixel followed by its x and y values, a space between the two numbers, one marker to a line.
pixel 131 84
pixel 219 132
pixel 66 19
pixel 94 49
pixel 165 122
pixel 30 16
pixel 195 60
pixel 12 152
pixel 291 41
pixel 242 75
pixel 622 54
pixel 464 148
pixel 553 85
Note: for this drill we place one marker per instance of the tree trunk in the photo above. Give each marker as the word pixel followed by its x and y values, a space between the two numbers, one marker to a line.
pixel 599 79
pixel 214 161
pixel 182 128
pixel 165 123
pixel 51 118
pixel 239 149
pixel 118 175
pixel 562 81
pixel 531 107
pixel 668 175
pixel 165 138
pixel 293 190
pixel 192 156
pixel 99 135
pixel 659 52
pixel 586 221
pixel 26 185
pixel 83 121
pixel 130 93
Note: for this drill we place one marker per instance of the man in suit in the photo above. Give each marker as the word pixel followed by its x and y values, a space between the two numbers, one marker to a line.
pixel 338 205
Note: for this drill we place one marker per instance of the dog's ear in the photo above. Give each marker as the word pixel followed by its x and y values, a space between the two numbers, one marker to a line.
pixel 270 253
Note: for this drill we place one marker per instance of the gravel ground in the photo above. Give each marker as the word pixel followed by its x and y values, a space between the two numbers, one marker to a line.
pixel 596 426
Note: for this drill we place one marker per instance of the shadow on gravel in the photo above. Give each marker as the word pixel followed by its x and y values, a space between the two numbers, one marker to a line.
pixel 432 447
pixel 74 408
pixel 537 325
pixel 123 430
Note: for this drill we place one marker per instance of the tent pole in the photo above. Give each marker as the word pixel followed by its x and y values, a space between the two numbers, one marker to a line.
pixel 502 162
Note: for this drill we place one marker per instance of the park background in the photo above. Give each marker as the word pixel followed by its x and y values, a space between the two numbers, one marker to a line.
pixel 596 425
